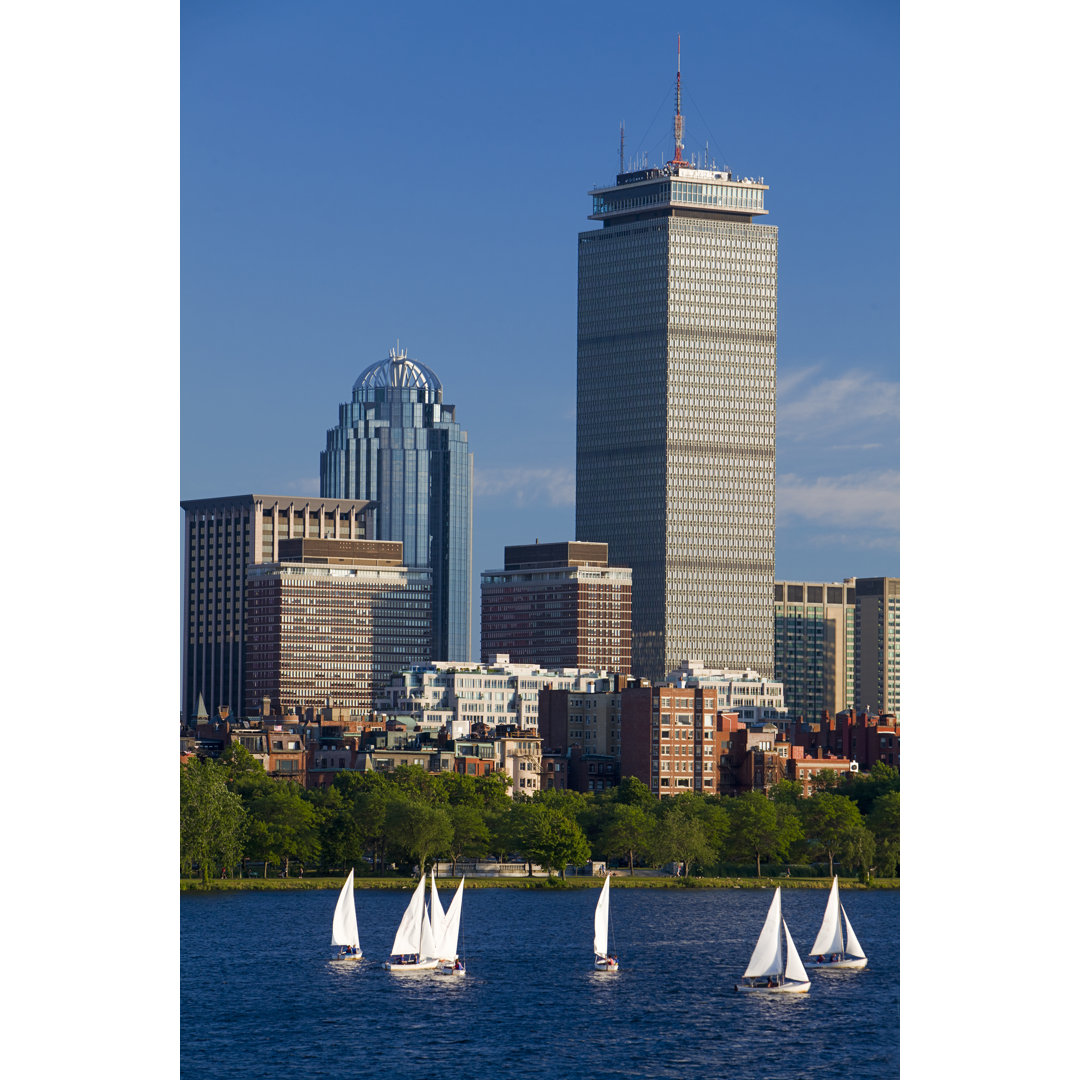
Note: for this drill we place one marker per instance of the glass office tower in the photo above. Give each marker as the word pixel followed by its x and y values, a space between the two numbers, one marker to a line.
pixel 676 419
pixel 397 442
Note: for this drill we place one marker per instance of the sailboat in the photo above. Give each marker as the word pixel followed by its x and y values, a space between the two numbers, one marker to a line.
pixel 446 949
pixel 344 933
pixel 413 945
pixel 601 961
pixel 828 950
pixel 767 972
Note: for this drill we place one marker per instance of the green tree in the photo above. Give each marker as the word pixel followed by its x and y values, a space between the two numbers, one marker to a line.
pixel 633 792
pixel 284 825
pixel 551 838
pixel 417 829
pixel 366 796
pixel 865 788
pixel 212 819
pixel 681 835
pixel 760 829
pixel 831 823
pixel 470 836
pixel 884 823
pixel 626 830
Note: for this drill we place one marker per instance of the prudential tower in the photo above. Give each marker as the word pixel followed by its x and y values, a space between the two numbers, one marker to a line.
pixel 398 443
pixel 676 407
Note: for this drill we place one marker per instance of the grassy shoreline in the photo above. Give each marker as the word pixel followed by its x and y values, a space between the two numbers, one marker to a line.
pixel 539 881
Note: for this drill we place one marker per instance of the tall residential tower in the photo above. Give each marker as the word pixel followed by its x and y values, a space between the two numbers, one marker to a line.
pixel 399 445
pixel 676 419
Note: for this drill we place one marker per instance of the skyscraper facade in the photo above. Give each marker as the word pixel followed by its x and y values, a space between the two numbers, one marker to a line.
pixel 815 646
pixel 398 444
pixel 330 621
pixel 676 391
pixel 877 644
pixel 838 645
pixel 557 605
pixel 223 539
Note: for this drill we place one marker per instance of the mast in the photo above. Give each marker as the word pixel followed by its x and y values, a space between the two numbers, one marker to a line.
pixel 678 158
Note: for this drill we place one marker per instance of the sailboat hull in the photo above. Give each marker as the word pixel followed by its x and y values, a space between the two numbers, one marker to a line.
pixel 605 963
pixel 448 967
pixel 848 964
pixel 783 988
pixel 346 958
pixel 410 969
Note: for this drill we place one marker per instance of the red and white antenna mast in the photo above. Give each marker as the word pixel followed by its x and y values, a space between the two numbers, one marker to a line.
pixel 678 158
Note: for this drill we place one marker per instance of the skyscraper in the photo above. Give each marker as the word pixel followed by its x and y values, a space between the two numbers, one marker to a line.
pixel 223 539
pixel 331 621
pixel 398 444
pixel 557 605
pixel 676 390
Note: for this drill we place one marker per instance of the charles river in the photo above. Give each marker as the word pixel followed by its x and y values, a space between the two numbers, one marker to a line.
pixel 259 997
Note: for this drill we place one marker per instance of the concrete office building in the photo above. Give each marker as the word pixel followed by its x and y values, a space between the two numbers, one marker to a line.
pixel 676 390
pixel 223 537
pixel 398 443
pixel 558 606
pixel 330 621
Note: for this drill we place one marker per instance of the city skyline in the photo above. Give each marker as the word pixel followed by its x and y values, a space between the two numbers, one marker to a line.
pixel 289 135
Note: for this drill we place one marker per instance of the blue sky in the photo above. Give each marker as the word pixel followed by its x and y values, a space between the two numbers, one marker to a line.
pixel 353 176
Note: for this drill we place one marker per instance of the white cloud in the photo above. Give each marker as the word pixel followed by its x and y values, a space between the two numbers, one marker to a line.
pixel 806 407
pixel 554 486
pixel 861 500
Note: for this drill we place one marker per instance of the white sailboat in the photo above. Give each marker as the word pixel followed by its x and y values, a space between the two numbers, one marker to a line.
pixel 413 934
pixel 437 913
pixel 828 950
pixel 601 960
pixel 344 933
pixel 767 972
pixel 446 949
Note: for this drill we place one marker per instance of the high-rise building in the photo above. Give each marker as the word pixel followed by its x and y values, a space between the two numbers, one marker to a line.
pixel 676 389
pixel 330 621
pixel 677 739
pixel 837 645
pixel 877 644
pixel 815 646
pixel 557 605
pixel 222 539
pixel 398 444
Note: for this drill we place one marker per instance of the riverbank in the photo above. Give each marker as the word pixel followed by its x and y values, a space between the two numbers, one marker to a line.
pixel 538 881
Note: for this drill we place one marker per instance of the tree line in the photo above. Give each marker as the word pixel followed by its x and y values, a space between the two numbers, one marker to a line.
pixel 231 813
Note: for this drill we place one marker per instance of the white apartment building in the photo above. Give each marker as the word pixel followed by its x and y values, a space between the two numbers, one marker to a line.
pixel 753 696
pixel 496 693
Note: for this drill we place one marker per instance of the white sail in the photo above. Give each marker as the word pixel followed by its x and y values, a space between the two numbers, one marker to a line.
pixel 853 946
pixel 448 940
pixel 828 939
pixel 407 938
pixel 437 913
pixel 427 939
pixel 794 969
pixel 767 958
pixel 600 919
pixel 344 931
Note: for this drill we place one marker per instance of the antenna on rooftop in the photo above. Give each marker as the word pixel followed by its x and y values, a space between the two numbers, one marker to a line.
pixel 678 158
pixel 622 144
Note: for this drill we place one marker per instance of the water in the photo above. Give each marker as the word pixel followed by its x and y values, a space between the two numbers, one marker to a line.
pixel 259 998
